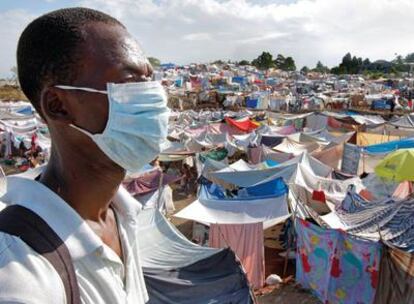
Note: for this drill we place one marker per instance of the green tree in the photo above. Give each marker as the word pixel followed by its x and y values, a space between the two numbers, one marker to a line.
pixel 304 70
pixel 264 61
pixel 154 61
pixel 289 64
pixel 285 63
pixel 244 62
pixel 320 68
pixel 409 58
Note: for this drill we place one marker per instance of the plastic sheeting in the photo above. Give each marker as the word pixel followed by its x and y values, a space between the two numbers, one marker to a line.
pixel 178 271
pixel 244 124
pixel 208 209
pixel 286 170
pixel 390 146
pixel 149 182
pixel 289 145
pixel 163 200
pixel 396 284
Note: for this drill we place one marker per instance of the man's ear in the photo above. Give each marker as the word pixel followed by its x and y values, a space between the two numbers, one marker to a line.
pixel 55 105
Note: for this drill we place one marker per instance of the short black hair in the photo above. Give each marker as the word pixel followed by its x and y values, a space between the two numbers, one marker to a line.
pixel 47 51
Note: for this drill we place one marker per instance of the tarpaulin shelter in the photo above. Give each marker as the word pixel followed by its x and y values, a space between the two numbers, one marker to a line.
pixel 396 277
pixel 254 175
pixel 406 121
pixel 397 166
pixel 238 221
pixel 244 124
pixel 149 182
pixel 212 206
pixel 387 147
pixel 178 271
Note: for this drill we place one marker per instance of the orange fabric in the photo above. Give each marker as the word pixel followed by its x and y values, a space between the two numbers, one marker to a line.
pixel 244 124
pixel 365 194
pixel 247 242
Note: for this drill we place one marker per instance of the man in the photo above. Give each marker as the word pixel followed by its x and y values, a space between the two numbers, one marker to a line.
pixel 84 74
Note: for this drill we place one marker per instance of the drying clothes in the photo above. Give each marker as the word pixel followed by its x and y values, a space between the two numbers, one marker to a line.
pixel 246 241
pixel 393 219
pixel 149 182
pixel 338 268
pixel 319 196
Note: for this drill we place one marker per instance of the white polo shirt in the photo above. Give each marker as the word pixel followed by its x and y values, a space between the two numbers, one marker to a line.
pixel 27 277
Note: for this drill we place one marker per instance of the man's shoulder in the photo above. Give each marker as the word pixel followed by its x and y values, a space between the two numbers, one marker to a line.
pixel 26 276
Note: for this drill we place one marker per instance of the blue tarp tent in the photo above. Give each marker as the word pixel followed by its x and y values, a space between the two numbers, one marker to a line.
pixel 167 66
pixel 390 146
pixel 178 271
pixel 251 102
pixel 239 79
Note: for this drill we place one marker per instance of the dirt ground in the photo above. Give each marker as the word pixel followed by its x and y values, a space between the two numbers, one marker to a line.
pixel 11 93
pixel 287 292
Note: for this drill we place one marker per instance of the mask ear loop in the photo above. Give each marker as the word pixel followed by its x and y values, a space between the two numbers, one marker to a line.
pixel 64 87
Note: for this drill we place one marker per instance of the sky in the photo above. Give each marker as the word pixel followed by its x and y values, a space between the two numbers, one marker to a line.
pixel 185 31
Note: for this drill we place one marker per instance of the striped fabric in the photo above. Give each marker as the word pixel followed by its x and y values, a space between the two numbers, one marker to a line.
pixel 393 219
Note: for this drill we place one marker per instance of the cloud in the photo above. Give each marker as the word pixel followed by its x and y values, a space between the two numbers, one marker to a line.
pixel 309 30
pixel 185 31
pixel 197 36
pixel 12 24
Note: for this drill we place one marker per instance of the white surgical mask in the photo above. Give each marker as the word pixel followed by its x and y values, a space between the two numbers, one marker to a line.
pixel 137 125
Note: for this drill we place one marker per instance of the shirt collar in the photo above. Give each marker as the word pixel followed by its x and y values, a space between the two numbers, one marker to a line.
pixel 61 217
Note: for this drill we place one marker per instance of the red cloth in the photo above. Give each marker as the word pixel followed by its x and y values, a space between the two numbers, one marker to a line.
pixel 319 196
pixel 247 242
pixel 333 123
pixel 244 124
pixel 365 194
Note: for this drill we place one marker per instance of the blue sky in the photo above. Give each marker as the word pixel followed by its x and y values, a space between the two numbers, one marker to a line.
pixel 35 6
pixel 185 31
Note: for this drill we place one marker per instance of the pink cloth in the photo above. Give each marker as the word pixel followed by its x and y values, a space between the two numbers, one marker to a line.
pixel 255 155
pixel 403 190
pixel 330 156
pixel 286 130
pixel 247 242
pixel 214 128
pixel 149 182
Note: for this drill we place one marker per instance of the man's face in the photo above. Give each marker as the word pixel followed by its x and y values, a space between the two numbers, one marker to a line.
pixel 110 54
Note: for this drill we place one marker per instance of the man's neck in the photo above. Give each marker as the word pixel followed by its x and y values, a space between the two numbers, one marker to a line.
pixel 84 184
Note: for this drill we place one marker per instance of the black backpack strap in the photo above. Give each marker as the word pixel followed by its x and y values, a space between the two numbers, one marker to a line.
pixel 36 233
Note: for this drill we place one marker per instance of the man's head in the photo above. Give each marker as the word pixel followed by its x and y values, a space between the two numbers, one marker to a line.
pixel 79 47
pixel 49 48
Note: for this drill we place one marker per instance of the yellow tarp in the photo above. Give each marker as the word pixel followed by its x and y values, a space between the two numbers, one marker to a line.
pixel 367 139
